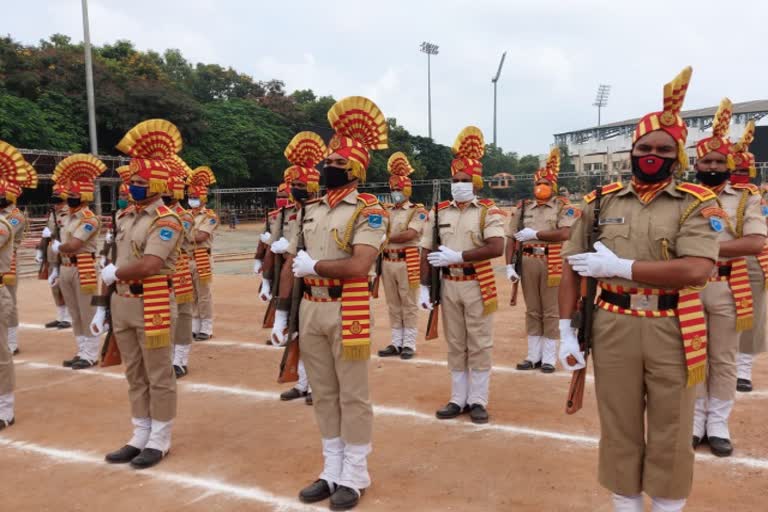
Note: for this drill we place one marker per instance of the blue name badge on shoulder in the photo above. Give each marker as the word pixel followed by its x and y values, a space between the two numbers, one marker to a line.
pixel 166 234
pixel 375 220
pixel 88 228
pixel 765 211
pixel 716 223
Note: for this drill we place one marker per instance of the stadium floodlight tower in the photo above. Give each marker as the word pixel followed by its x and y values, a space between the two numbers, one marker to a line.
pixel 495 80
pixel 430 49
pixel 601 99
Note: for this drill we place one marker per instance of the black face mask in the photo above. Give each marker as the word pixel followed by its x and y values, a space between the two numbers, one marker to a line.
pixel 300 194
pixel 4 202
pixel 712 178
pixel 335 177
pixel 73 202
pixel 56 200
pixel 652 168
pixel 167 200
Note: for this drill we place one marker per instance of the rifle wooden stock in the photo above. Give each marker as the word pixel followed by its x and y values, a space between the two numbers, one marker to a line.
pixel 435 284
pixel 432 323
pixel 289 365
pixel 44 270
pixel 110 353
pixel 377 279
pixel 576 389
pixel 513 299
pixel 269 314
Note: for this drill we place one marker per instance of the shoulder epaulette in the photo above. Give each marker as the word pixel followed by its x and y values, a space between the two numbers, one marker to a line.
pixel 87 213
pixel 488 203
pixel 126 210
pixel 389 206
pixel 443 205
pixel 699 192
pixel 211 213
pixel 607 189
pixel 563 199
pixel 747 186
pixel 164 211
pixel 367 199
pixel 180 210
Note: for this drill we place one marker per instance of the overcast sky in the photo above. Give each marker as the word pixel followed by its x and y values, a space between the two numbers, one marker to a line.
pixel 559 51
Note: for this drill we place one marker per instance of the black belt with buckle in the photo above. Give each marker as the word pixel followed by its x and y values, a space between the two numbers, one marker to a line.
pixel 624 300
pixel 394 255
pixel 468 271
pixel 724 271
pixel 138 288
pixel 532 250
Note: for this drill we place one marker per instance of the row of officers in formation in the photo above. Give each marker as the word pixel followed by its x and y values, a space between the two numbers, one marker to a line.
pixel 681 270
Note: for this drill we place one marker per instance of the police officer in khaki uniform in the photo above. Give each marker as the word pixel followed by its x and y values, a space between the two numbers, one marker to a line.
pixel 471 235
pixel 143 307
pixel 547 223
pixel 343 233
pixel 728 296
pixel 55 222
pixel 657 247
pixel 206 222
pixel 276 224
pixel 752 341
pixel 401 260
pixel 77 252
pixel 305 151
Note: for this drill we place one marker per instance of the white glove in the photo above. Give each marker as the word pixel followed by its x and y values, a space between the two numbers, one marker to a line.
pixel 265 292
pixel 444 256
pixel 97 324
pixel 279 334
pixel 108 237
pixel 55 246
pixel 603 263
pixel 257 266
pixel 569 346
pixel 303 264
pixel 38 256
pixel 424 301
pixel 526 235
pixel 53 277
pixel 102 262
pixel 280 246
pixel 46 232
pixel 265 237
pixel 109 274
pixel 512 274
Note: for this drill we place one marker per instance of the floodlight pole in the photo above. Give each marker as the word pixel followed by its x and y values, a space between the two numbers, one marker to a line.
pixel 430 49
pixel 495 81
pixel 90 98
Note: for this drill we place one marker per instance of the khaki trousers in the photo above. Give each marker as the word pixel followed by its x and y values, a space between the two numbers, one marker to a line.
pixel 78 304
pixel 339 388
pixel 640 374
pixel 468 332
pixel 14 319
pixel 151 381
pixel 203 305
pixel 7 374
pixel 542 315
pixel 402 300
pixel 753 341
pixel 182 329
pixel 722 342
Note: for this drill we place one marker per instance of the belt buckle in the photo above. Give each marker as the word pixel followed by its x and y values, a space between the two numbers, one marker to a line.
pixel 644 302
pixel 320 292
pixel 539 251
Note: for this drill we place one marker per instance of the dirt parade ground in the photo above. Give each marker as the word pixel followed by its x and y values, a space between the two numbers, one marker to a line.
pixel 237 447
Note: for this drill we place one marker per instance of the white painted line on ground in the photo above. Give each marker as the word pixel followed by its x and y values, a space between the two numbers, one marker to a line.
pixel 381 410
pixel 208 485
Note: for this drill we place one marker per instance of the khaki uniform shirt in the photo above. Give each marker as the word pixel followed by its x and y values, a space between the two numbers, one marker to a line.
pixel 460 228
pixel 6 245
pixel 323 226
pixel 554 214
pixel 206 221
pixel 637 231
pixel 84 229
pixel 143 232
pixel 187 221
pixel 18 222
pixel 753 219
pixel 404 217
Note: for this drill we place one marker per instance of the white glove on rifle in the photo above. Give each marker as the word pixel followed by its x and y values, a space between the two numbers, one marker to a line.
pixel 303 264
pixel 108 237
pixel 265 292
pixel 444 256
pixel 53 277
pixel 265 237
pixel 424 300
pixel 257 266
pixel 569 346
pixel 98 325
pixel 109 274
pixel 512 273
pixel 46 233
pixel 280 246
pixel 526 235
pixel 279 328
pixel 603 263
pixel 38 256
pixel 55 246
pixel 102 262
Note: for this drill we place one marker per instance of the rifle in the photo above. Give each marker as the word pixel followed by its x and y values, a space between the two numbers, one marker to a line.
pixel 110 353
pixel 261 248
pixel 434 284
pixel 269 314
pixel 585 319
pixel 377 279
pixel 517 258
pixel 289 365
pixel 42 272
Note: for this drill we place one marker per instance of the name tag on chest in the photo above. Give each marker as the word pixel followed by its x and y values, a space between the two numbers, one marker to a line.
pixel 607 221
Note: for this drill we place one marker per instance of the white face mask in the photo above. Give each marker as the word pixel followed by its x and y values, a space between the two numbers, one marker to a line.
pixel 462 192
pixel 398 197
pixel 194 203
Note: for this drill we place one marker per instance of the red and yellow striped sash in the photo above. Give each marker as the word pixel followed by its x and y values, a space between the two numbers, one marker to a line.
pixel 485 278
pixel 693 327
pixel 182 281
pixel 554 264
pixel 87 272
pixel 203 263
pixel 412 264
pixel 157 312
pixel 742 294
pixel 9 278
pixel 355 320
pixel 762 259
